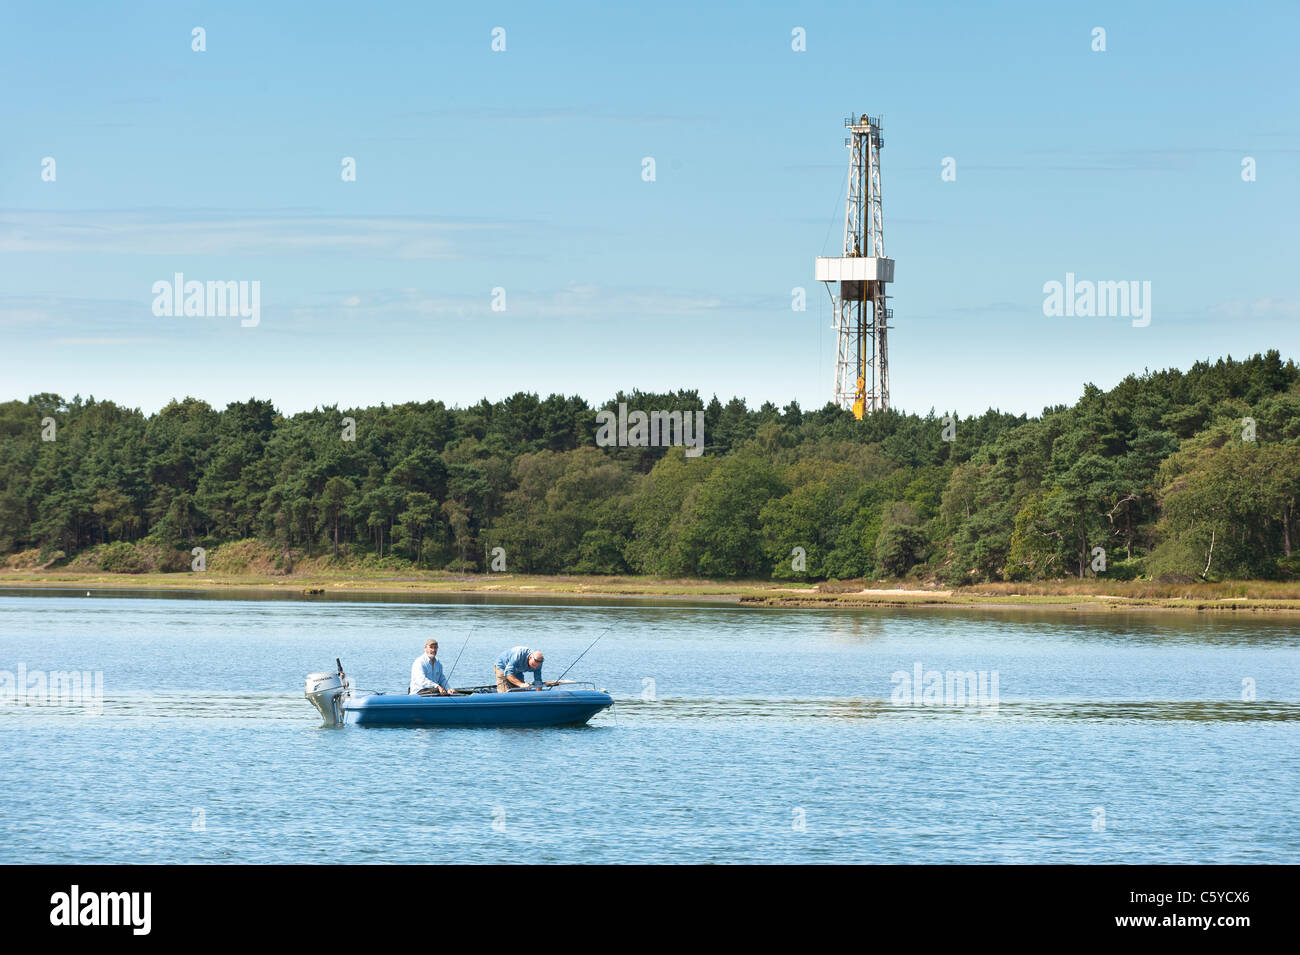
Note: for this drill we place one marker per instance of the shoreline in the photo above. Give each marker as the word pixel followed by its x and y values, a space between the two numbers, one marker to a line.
pixel 769 594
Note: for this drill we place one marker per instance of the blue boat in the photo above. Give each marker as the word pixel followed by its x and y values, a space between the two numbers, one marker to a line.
pixel 568 704
pixel 554 706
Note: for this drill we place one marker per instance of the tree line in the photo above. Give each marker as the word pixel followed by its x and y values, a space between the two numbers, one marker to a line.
pixel 1193 474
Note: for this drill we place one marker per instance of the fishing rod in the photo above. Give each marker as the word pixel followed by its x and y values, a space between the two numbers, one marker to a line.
pixel 462 651
pixel 584 653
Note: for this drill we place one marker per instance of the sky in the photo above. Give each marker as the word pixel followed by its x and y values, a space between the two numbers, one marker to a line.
pixel 522 169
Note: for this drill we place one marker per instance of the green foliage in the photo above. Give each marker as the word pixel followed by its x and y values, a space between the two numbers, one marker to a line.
pixel 722 537
pixel 1160 472
pixel 120 557
pixel 1228 508
pixel 901 542
pixel 658 514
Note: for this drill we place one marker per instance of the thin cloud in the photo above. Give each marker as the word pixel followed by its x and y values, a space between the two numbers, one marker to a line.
pixel 574 301
pixel 147 232
pixel 553 114
pixel 104 341
pixel 1260 308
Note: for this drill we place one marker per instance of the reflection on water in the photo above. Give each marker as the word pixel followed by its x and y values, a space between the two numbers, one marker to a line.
pixel 291 708
pixel 1182 728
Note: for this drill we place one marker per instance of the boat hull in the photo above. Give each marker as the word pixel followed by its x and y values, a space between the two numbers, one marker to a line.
pixel 555 707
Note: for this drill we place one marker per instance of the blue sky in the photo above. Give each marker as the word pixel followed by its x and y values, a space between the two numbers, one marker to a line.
pixel 522 169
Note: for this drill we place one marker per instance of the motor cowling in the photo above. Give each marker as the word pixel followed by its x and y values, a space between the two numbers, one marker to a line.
pixel 326 692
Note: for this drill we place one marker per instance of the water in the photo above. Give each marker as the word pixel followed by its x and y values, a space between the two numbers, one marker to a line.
pixel 740 735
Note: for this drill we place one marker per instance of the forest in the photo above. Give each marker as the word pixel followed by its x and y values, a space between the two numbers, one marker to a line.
pixel 1170 475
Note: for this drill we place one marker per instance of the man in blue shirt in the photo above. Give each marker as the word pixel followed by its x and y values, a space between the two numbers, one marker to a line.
pixel 427 678
pixel 513 664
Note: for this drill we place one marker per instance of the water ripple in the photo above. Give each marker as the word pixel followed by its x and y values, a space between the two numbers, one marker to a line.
pixel 292 708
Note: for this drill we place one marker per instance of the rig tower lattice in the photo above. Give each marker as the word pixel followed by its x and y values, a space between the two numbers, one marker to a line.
pixel 858 279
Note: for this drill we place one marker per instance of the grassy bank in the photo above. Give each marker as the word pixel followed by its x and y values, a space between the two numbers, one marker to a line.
pixel 1068 595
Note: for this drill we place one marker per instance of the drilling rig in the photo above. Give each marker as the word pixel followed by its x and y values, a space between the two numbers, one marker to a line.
pixel 857 280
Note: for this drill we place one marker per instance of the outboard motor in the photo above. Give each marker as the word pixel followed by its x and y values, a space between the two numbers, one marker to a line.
pixel 326 691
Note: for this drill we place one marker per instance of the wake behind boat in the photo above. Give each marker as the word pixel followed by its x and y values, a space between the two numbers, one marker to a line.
pixel 557 704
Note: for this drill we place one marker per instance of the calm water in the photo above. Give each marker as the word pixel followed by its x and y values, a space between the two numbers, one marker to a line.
pixel 740 735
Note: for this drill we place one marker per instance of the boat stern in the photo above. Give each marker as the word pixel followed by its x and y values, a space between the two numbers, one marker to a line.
pixel 326 692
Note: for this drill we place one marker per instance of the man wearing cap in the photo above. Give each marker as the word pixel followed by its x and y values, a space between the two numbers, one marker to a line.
pixel 513 664
pixel 427 678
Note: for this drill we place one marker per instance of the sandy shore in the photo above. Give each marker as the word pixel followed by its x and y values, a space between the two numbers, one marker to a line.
pixel 746 593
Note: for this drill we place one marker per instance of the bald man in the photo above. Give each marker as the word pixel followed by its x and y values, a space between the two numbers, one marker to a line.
pixel 513 664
